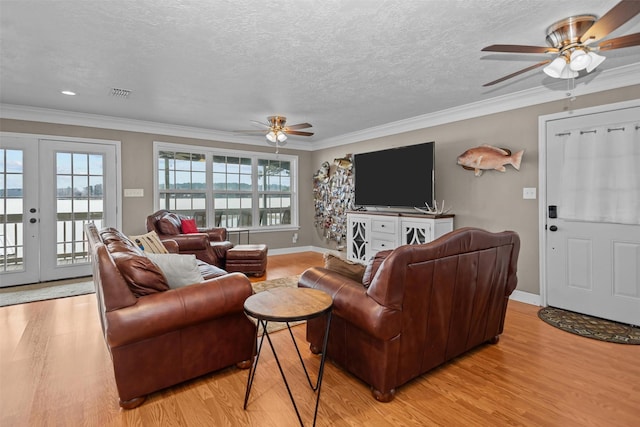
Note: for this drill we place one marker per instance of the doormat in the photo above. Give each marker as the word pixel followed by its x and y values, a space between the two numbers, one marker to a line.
pixel 44 291
pixel 590 327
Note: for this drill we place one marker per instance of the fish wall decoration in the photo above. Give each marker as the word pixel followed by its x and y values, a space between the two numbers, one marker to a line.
pixel 487 157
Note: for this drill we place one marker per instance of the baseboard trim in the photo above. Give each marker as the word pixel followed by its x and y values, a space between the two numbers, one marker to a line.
pixel 525 297
pixel 295 250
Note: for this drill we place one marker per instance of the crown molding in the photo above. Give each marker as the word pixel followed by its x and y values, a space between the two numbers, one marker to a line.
pixel 606 80
pixel 612 79
pixel 19 112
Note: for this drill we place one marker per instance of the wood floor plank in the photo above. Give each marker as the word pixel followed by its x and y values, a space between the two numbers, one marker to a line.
pixel 55 370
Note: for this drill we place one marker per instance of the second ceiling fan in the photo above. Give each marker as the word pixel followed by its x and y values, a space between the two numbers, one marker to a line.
pixel 573 41
pixel 276 130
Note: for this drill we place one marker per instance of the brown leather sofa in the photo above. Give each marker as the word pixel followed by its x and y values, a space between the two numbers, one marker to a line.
pixel 425 305
pixel 158 336
pixel 209 245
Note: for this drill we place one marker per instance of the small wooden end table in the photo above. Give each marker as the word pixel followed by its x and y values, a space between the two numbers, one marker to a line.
pixel 289 305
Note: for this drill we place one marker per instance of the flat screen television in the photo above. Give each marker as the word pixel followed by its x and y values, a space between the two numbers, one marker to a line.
pixel 397 177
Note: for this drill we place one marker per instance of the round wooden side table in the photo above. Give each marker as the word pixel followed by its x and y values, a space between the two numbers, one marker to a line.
pixel 289 305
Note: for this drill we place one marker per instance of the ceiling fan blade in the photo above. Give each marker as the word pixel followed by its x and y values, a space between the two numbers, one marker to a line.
pixel 621 13
pixel 299 126
pixel 539 64
pixel 297 132
pixel 259 123
pixel 620 42
pixel 516 48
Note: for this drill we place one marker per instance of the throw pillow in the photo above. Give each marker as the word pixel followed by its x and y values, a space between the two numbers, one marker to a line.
pixel 149 243
pixel 189 226
pixel 372 267
pixel 344 267
pixel 180 270
pixel 141 274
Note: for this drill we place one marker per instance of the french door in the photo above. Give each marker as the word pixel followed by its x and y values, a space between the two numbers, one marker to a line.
pixel 49 188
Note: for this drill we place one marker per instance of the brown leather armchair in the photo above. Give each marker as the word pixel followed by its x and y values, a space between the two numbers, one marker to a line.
pixel 209 244
pixel 158 337
pixel 425 305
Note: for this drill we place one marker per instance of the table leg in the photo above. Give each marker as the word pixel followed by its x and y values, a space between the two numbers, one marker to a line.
pixel 315 388
pixel 254 365
pixel 321 371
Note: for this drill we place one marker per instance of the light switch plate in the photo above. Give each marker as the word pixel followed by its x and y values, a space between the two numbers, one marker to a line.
pixel 529 193
pixel 134 192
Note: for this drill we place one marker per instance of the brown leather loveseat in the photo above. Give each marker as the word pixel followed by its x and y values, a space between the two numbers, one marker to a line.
pixel 158 336
pixel 425 305
pixel 209 244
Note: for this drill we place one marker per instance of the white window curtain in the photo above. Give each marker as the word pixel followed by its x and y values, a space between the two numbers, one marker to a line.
pixel 601 175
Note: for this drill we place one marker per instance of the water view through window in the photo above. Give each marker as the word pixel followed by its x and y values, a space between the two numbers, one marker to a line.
pixel 241 191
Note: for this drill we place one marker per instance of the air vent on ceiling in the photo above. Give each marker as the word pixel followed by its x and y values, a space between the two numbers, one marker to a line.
pixel 119 93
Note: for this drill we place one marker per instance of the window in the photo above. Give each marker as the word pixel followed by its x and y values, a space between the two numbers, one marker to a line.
pixel 274 191
pixel 227 188
pixel 181 181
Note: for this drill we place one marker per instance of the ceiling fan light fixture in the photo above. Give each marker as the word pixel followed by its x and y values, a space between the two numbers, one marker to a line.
pixel 556 67
pixel 595 61
pixel 271 136
pixel 579 60
pixel 282 137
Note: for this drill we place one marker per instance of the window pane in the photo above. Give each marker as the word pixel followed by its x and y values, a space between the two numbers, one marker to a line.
pixel 63 163
pixel 198 180
pixel 183 180
pixel 80 164
pixel 95 164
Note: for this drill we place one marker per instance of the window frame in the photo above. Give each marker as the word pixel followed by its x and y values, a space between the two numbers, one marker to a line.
pixel 255 156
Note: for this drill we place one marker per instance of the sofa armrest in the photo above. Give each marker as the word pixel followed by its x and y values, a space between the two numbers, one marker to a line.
pixel 216 234
pixel 191 242
pixel 351 302
pixel 171 246
pixel 164 312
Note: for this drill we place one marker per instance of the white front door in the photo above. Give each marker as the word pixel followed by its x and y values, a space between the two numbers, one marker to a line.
pixel 592 251
pixel 50 189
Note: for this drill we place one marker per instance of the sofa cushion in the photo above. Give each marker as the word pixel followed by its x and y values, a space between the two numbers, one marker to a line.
pixel 188 226
pixel 142 275
pixel 149 243
pixel 373 265
pixel 180 270
pixel 344 267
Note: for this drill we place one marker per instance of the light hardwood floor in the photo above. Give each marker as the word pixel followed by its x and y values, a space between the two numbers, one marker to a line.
pixel 55 370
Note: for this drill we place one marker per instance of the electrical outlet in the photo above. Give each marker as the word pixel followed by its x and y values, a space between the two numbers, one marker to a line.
pixel 295 238
pixel 529 193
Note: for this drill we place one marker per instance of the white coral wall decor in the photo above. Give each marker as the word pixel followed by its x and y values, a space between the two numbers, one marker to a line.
pixel 333 197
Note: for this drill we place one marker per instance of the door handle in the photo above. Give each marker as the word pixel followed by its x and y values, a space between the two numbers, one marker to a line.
pixel 553 228
pixel 33 220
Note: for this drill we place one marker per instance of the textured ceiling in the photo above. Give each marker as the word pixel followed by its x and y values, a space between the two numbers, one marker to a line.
pixel 343 66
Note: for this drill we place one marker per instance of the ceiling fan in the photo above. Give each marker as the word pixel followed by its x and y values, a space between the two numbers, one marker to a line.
pixel 276 130
pixel 572 40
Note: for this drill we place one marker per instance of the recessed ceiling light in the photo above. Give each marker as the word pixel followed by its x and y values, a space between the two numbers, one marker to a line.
pixel 68 92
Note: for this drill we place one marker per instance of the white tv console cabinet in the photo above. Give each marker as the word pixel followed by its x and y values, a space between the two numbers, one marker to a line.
pixel 371 232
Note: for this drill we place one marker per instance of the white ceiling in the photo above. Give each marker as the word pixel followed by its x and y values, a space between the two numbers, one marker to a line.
pixel 344 66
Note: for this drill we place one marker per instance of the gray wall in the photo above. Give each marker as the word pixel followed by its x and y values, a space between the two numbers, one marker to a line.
pixel 494 200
